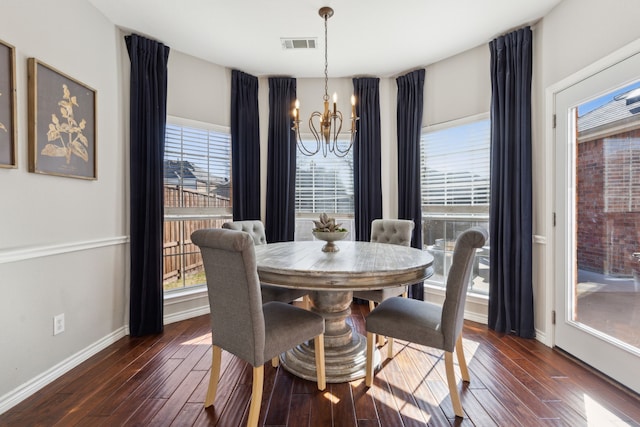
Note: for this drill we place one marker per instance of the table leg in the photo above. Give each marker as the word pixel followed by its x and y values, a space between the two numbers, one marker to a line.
pixel 345 349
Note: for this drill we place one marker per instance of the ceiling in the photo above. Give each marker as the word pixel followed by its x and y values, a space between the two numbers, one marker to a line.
pixel 365 37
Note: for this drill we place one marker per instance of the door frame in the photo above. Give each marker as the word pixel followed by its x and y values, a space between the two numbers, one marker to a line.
pixel 551 251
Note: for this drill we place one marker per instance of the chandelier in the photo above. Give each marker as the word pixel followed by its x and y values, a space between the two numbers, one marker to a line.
pixel 329 122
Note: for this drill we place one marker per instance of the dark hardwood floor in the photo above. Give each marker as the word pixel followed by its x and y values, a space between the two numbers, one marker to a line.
pixel 162 380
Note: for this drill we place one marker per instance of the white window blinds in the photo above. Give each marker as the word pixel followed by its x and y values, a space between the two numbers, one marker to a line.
pixel 324 184
pixel 197 167
pixel 455 165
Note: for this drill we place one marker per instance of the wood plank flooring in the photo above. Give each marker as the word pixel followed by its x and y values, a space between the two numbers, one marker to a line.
pixel 161 381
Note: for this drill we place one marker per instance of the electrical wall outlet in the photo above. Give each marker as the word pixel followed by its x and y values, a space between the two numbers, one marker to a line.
pixel 58 324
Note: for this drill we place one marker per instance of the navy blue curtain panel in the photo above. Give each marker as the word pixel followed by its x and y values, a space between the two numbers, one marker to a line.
pixel 245 146
pixel 409 117
pixel 281 161
pixel 510 223
pixel 367 179
pixel 148 115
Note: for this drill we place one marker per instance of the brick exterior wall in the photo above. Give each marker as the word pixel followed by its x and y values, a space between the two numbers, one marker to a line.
pixel 608 204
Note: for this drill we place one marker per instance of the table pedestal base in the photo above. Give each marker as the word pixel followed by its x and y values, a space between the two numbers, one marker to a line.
pixel 345 349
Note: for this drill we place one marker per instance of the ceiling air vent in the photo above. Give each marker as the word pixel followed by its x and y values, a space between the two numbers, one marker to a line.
pixel 299 43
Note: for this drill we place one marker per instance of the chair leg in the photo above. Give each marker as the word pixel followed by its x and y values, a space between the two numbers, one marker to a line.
pixel 216 360
pixel 306 302
pixel 389 347
pixel 369 366
pixel 275 362
pixel 372 305
pixel 318 343
pixel 462 362
pixel 256 396
pixel 453 389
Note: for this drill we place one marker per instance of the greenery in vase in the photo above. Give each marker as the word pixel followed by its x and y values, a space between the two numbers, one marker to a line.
pixel 327 224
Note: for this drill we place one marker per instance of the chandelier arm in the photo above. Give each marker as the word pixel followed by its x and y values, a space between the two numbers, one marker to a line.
pixel 301 145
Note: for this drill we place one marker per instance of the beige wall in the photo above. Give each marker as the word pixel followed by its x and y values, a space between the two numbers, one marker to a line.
pixel 62 240
pixel 458 87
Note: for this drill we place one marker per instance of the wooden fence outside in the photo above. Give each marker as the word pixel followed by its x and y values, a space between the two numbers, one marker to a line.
pixel 181 257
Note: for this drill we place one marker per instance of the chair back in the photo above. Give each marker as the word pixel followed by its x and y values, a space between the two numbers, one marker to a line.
pixel 458 282
pixel 255 228
pixel 237 319
pixel 393 231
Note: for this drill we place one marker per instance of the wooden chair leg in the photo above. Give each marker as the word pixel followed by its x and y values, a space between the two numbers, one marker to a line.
pixel 369 366
pixel 306 302
pixel 256 396
pixel 318 343
pixel 453 389
pixel 462 362
pixel 275 362
pixel 216 361
pixel 372 305
pixel 389 347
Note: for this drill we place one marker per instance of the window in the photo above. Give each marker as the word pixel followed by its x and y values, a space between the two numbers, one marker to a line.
pixel 455 173
pixel 323 184
pixel 197 194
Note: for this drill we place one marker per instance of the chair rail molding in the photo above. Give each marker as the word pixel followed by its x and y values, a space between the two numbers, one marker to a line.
pixel 16 254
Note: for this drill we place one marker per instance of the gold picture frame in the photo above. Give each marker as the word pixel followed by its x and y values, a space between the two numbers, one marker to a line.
pixel 8 123
pixel 62 124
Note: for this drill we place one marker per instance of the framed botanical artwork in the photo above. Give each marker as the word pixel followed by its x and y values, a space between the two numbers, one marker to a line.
pixel 8 127
pixel 62 124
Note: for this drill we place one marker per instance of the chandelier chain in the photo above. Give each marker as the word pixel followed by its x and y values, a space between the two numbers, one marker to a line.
pixel 326 61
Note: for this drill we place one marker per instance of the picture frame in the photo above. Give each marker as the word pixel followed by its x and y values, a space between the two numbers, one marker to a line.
pixel 8 122
pixel 62 123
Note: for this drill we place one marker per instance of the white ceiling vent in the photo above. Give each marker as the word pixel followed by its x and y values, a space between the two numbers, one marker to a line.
pixel 299 43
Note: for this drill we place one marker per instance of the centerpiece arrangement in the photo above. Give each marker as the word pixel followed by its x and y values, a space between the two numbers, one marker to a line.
pixel 327 230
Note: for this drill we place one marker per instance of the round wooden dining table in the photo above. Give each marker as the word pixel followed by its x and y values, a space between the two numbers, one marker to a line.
pixel 331 278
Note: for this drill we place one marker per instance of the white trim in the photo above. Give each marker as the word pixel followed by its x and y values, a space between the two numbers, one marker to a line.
pixel 181 296
pixel 21 254
pixel 190 293
pixel 180 121
pixel 32 386
pixel 475 299
pixel 476 317
pixel 456 122
pixel 540 240
pixel 543 338
pixel 550 109
pixel 186 314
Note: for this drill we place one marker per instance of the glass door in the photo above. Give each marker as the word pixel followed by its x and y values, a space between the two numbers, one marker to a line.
pixel 598 221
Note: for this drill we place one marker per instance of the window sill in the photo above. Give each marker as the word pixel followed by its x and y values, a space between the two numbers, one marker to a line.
pixel 183 295
pixel 476 307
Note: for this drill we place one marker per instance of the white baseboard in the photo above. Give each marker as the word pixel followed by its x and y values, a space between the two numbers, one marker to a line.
pixel 476 317
pixel 22 392
pixel 186 314
pixel 543 338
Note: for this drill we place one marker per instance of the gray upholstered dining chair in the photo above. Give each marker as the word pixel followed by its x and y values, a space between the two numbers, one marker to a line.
pixel 255 229
pixel 240 323
pixel 394 232
pixel 429 324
